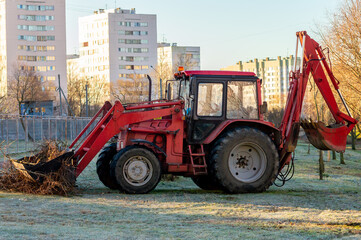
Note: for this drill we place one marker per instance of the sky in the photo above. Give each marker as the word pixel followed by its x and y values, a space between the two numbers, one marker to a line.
pixel 227 31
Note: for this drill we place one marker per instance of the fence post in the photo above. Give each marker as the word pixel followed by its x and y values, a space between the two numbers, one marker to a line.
pixel 7 135
pixel 26 134
pixel 56 129
pixel 41 128
pixel 71 129
pixel 34 129
pixel 17 135
pixel 49 134
pixel 66 129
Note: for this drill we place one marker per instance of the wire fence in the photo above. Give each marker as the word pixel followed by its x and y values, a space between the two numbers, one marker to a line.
pixel 19 134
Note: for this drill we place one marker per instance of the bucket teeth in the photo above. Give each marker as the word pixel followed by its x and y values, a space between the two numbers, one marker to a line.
pixel 308 124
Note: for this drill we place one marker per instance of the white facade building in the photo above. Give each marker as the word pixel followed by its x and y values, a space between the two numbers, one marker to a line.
pixel 175 56
pixel 117 44
pixel 33 35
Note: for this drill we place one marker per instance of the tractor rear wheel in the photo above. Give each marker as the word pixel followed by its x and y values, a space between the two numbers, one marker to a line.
pixel 103 166
pixel 244 160
pixel 136 170
pixel 206 182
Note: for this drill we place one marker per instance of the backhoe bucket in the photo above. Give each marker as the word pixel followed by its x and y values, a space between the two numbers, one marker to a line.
pixel 37 172
pixel 326 137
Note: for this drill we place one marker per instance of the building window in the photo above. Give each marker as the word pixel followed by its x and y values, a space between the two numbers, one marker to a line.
pixel 133 24
pixel 39 18
pixel 42 68
pixel 133 41
pixel 36 27
pixel 134 33
pixel 36 48
pixel 36 7
pixel 133 67
pixel 51 68
pixel 133 59
pixel 36 38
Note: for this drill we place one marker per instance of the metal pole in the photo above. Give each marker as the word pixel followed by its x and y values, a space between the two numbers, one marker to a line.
pixel 161 88
pixel 344 102
pixel 303 53
pixel 86 100
pixel 61 108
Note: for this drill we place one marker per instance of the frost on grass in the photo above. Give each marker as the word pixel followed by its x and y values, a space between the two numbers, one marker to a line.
pixel 59 182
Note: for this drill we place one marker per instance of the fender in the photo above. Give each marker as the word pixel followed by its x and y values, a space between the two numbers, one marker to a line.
pixel 150 143
pixel 264 126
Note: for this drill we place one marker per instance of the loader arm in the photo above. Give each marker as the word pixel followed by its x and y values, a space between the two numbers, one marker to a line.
pixel 114 120
pixel 333 137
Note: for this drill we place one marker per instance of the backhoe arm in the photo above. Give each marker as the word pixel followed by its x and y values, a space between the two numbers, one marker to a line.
pixel 322 137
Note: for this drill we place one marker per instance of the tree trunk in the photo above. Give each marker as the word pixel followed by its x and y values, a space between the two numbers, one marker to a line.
pixel 333 155
pixel 353 137
pixel 23 124
pixel 342 159
pixel 321 165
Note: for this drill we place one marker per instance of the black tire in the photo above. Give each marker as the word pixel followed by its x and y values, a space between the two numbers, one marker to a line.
pixel 136 170
pixel 103 166
pixel 244 160
pixel 206 182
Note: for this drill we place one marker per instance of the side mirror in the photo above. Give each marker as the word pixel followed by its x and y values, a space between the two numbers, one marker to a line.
pixel 263 108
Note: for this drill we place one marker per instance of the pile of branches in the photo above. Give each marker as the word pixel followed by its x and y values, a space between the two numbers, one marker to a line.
pixel 58 182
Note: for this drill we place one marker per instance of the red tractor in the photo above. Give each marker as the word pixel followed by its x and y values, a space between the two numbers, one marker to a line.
pixel 213 131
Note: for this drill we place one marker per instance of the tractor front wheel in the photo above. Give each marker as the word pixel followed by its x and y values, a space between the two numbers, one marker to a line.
pixel 244 160
pixel 136 170
pixel 103 166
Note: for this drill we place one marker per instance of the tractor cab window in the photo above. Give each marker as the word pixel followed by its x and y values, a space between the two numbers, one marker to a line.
pixel 242 100
pixel 210 99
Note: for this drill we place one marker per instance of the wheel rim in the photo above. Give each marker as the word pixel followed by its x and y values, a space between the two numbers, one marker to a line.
pixel 247 162
pixel 137 170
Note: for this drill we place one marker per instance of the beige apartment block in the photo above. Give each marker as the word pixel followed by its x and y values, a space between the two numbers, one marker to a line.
pixel 33 35
pixel 274 74
pixel 117 45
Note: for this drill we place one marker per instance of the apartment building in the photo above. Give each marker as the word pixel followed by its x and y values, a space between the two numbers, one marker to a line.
pixel 33 36
pixel 117 45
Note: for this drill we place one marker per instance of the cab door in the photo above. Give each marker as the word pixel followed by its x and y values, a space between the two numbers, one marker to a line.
pixel 208 109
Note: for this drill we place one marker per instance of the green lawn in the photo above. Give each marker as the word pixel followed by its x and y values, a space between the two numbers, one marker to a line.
pixel 305 208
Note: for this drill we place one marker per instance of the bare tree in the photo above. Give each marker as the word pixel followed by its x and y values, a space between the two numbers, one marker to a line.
pixel 165 72
pixel 25 85
pixel 77 84
pixel 130 91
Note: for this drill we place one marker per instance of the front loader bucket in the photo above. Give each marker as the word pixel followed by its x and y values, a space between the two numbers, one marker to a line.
pixel 326 137
pixel 37 172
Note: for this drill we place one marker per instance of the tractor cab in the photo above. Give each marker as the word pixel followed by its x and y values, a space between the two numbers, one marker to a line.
pixel 214 97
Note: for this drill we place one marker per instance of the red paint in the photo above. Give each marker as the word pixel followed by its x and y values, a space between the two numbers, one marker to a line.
pixel 214 73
